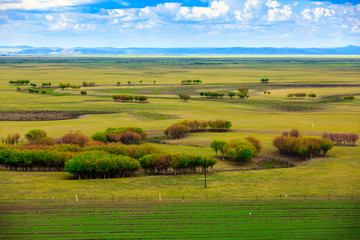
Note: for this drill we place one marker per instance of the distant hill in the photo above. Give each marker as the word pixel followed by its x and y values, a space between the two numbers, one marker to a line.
pixel 28 50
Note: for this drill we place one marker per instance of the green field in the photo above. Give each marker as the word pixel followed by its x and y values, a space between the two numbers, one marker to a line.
pixel 216 220
pixel 263 116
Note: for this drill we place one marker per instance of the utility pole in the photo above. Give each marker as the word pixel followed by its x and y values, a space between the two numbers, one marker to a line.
pixel 205 172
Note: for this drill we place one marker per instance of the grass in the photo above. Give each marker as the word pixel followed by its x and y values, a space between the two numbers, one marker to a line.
pixel 262 116
pixel 229 220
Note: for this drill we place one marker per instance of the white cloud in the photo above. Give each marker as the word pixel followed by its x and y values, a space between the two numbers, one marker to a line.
pixel 42 4
pixel 215 10
pixel 275 13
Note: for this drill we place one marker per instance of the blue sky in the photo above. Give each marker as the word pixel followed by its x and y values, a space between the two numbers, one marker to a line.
pixel 174 23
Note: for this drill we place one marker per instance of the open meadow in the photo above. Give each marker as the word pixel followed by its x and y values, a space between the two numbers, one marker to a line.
pixel 315 198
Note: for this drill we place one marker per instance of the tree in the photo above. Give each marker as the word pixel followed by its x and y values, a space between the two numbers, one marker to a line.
pixel 217 145
pixel 264 80
pixel 184 97
pixel 129 82
pixel 242 95
pixel 154 82
pixel 312 95
pixel 231 94
pixel 202 94
pixel 350 97
pixel 118 83
pixel 83 92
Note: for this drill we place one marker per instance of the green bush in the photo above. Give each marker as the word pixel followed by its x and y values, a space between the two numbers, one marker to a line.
pixel 35 135
pixel 239 150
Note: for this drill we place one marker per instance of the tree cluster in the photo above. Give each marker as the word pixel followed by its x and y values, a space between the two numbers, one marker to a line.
pixel 240 150
pixel 29 160
pixel 298 95
pixel 197 81
pixel 101 165
pixel 88 84
pixel 129 135
pixel 264 80
pixel 19 82
pixel 46 84
pixel 11 139
pixel 75 138
pixel 175 163
pixel 292 133
pixel 33 90
pixel 210 94
pixel 349 98
pixel 302 147
pixel 179 130
pixel 342 138
pixel 129 98
pixel 243 92
pixel 184 97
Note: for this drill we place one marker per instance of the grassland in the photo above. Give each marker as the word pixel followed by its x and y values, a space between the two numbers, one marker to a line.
pixel 221 220
pixel 262 115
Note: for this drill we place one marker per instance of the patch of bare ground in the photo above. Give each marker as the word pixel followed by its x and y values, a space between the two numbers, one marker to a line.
pixel 43 115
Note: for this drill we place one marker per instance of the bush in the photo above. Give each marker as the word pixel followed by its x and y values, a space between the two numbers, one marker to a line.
pixel 349 98
pixel 184 97
pixel 130 137
pixel 264 80
pixel 19 82
pixel 304 147
pixel 255 142
pixel 177 130
pixel 312 95
pixel 239 150
pixel 231 94
pixel 35 135
pixel 32 90
pixel 83 92
pixel 75 138
pixel 99 136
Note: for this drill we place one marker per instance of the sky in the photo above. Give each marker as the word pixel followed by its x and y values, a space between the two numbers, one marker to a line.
pixel 173 23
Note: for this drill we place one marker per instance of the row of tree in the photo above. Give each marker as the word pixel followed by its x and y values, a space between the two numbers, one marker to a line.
pixel 239 150
pixel 342 138
pixel 179 130
pixel 349 97
pixel 302 147
pixel 19 82
pixel 197 81
pixel 129 98
pixel 210 94
pixel 129 135
pixel 175 163
pixel 30 160
pixel 33 90
pixel 301 95
pixel 98 164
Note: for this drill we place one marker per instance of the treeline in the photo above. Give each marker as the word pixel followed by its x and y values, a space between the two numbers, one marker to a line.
pixel 88 84
pixel 349 98
pixel 33 160
pixel 296 145
pixel 301 95
pixel 19 82
pixel 175 163
pixel 101 165
pixel 342 138
pixel 129 135
pixel 33 90
pixel 197 81
pixel 129 98
pixel 240 150
pixel 179 130
pixel 210 94
pixel 243 93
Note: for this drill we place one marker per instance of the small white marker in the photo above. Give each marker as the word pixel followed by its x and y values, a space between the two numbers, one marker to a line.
pixel 285 195
pixel 77 200
pixel 249 213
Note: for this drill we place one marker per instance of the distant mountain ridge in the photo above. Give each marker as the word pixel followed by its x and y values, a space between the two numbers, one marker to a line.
pixel 28 50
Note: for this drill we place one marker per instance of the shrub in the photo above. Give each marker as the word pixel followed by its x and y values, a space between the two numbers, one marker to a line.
pixel 83 92
pixel 12 139
pixel 43 91
pixel 312 95
pixel 75 138
pixel 46 84
pixel 255 142
pixel 294 133
pixel 130 137
pixel 33 84
pixel 184 97
pixel 264 80
pixel 304 147
pixel 32 90
pixel 202 94
pixel 239 150
pixel 99 136
pixel 350 97
pixel 35 135
pixel 177 130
